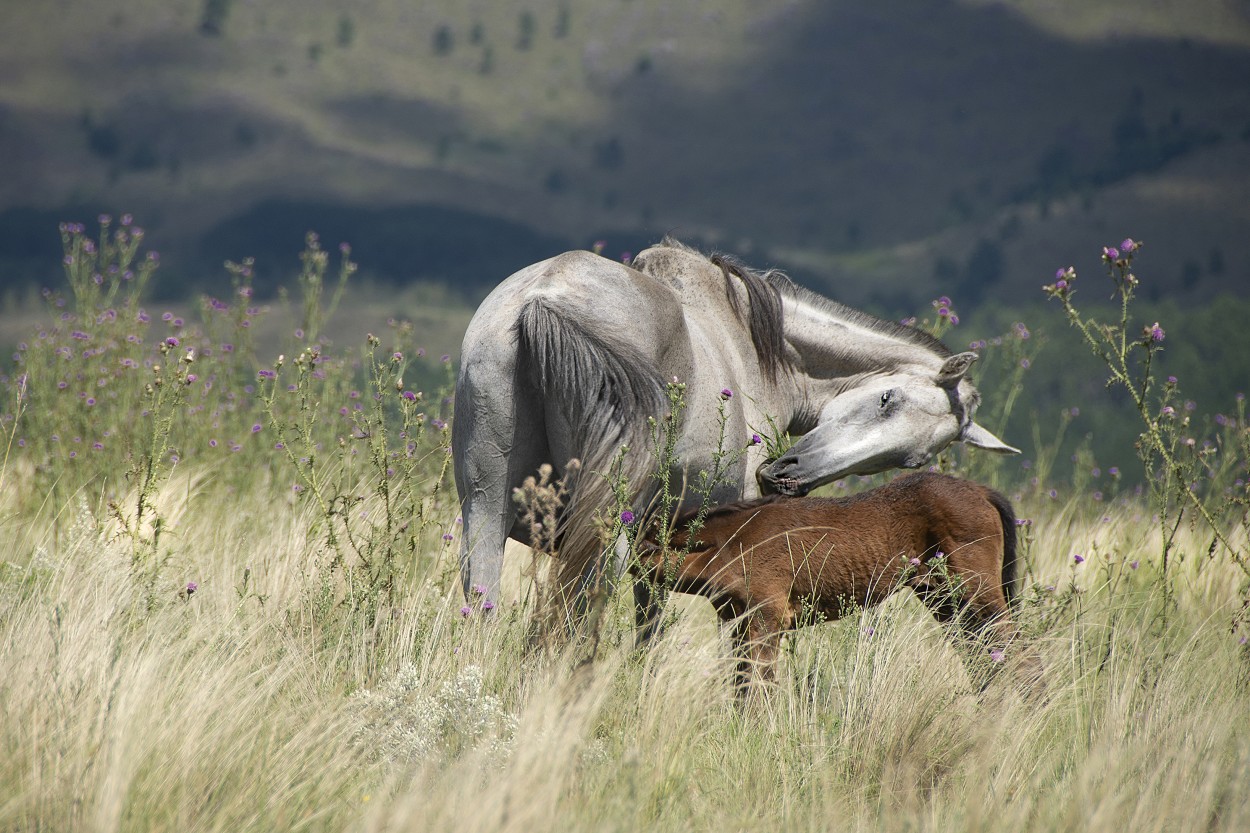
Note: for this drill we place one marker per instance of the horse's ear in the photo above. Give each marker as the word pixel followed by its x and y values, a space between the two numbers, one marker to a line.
pixel 954 368
pixel 977 437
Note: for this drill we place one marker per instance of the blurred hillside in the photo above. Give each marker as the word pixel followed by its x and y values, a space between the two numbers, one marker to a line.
pixel 884 153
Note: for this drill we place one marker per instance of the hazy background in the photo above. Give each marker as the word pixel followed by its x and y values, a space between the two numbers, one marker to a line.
pixel 884 153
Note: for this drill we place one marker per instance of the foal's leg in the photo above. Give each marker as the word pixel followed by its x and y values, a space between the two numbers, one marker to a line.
pixel 976 606
pixel 757 642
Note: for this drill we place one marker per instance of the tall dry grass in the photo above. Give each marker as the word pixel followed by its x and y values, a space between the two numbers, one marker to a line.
pixel 220 711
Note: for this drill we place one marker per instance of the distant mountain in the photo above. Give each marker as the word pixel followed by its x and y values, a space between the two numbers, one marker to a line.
pixel 882 152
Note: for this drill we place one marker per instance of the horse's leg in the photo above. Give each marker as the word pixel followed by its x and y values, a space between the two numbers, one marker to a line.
pixel 498 440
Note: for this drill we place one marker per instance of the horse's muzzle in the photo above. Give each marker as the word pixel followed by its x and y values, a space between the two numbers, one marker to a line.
pixel 772 482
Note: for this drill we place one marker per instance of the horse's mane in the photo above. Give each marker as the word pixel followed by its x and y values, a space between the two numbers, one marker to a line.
pixel 763 316
pixel 765 289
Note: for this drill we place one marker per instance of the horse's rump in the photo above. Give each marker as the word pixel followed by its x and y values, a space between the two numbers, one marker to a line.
pixel 602 387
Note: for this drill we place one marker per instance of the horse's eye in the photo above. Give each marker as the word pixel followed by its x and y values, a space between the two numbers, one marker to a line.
pixel 885 399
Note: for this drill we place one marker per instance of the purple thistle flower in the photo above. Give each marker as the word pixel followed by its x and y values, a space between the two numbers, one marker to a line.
pixel 1134 564
pixel 447 536
pixel 1156 333
pixel 256 428
pixel 466 611
pixel 488 605
pixel 627 517
pixel 1128 245
pixel 756 439
pixel 478 590
pixel 726 393
pixel 1110 253
pixel 171 342
pixel 439 424
pixel 266 374
pixel 192 587
pixel 1078 559
pixel 409 395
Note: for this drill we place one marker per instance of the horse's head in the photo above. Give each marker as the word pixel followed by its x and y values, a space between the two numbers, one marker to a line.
pixel 900 420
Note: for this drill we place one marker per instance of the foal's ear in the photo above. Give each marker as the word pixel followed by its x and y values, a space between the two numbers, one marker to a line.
pixel 954 368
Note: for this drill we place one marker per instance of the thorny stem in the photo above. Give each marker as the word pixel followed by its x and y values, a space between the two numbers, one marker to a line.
pixel 1116 356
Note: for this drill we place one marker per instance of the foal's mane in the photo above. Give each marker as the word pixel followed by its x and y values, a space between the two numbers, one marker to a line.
pixel 765 289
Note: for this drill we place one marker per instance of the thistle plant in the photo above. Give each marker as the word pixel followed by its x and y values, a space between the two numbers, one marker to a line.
pixel 406 462
pixel 1176 465
pixel 99 269
pixel 706 482
pixel 314 264
pixel 153 459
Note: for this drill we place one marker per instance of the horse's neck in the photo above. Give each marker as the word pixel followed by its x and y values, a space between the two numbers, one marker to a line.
pixel 837 351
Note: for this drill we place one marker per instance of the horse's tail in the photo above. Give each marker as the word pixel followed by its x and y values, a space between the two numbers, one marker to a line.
pixel 605 390
pixel 1007 515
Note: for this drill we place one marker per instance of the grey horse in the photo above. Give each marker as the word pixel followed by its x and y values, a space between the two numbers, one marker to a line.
pixel 568 358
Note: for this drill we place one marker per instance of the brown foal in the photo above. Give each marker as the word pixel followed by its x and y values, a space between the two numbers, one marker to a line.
pixel 765 564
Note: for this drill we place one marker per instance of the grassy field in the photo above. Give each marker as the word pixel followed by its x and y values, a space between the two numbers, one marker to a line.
pixel 253 704
pixel 229 601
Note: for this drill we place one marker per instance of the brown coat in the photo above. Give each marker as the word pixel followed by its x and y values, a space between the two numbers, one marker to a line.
pixel 774 564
